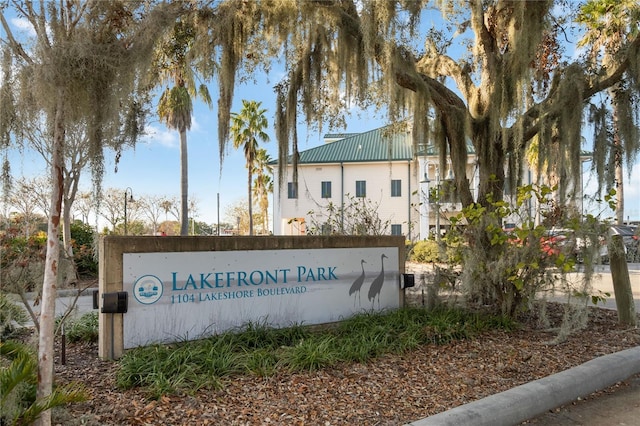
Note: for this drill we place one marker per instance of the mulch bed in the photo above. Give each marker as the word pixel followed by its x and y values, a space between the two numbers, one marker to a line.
pixel 390 390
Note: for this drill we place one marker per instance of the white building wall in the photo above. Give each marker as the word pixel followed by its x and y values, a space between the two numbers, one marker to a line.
pixel 343 177
pixel 413 205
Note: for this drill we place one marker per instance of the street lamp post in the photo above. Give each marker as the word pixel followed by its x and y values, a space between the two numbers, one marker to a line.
pixel 428 198
pixel 128 197
pixel 437 203
pixel 437 193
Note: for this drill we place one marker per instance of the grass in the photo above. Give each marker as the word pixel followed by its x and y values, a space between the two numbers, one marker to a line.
pixel 84 328
pixel 263 351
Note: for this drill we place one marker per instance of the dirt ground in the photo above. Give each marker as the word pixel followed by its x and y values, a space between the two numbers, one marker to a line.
pixel 391 390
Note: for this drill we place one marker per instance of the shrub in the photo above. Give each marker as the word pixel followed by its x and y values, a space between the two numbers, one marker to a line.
pixel 83 329
pixel 18 380
pixel 21 261
pixel 356 216
pixel 425 252
pixel 430 252
pixel 11 316
pixel 83 243
pixel 506 269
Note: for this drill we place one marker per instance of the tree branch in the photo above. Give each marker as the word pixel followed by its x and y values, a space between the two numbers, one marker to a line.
pixel 13 44
pixel 530 120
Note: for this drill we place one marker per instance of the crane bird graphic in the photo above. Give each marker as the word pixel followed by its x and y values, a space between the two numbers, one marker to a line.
pixel 376 284
pixel 357 285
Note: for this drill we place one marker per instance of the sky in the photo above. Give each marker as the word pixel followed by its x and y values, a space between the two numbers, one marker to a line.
pixel 153 167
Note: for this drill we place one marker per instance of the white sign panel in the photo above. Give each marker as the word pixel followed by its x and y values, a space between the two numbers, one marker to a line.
pixel 189 295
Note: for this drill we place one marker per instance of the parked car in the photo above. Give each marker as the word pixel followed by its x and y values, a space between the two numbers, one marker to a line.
pixel 629 239
pixel 570 242
pixel 582 248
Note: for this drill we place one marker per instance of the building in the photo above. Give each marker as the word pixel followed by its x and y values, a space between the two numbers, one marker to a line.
pixel 379 168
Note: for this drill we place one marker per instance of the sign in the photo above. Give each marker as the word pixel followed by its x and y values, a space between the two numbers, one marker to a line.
pixel 179 296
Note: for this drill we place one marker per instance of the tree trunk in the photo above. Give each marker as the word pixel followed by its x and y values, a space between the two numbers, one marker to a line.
pixel 48 308
pixel 265 219
pixel 621 282
pixel 619 172
pixel 66 229
pixel 617 155
pixel 72 178
pixel 491 180
pixel 67 265
pixel 250 202
pixel 184 184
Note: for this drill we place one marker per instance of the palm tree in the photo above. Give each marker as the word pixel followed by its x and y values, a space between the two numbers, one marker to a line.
pixel 175 106
pixel 263 184
pixel 246 128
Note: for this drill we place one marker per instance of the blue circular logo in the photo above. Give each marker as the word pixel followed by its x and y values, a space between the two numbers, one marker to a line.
pixel 148 289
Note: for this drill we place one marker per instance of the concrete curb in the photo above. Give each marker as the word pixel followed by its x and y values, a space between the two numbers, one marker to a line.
pixel 532 399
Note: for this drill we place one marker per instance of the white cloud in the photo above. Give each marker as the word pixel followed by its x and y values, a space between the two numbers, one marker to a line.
pixel 23 26
pixel 162 137
pixel 195 126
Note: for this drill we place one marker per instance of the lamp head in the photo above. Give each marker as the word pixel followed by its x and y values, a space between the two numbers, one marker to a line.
pixel 449 175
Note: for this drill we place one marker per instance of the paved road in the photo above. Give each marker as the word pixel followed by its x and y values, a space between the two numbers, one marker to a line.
pixel 619 406
pixel 65 301
pixel 602 283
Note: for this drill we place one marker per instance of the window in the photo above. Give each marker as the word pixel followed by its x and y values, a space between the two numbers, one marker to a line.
pixel 326 189
pixel 292 190
pixel 396 188
pixel 361 188
pixel 396 229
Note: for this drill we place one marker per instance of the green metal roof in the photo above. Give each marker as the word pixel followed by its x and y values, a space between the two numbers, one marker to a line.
pixel 374 145
pixel 382 144
pixel 339 135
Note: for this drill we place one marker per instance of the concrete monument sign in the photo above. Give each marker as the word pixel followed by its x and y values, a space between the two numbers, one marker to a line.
pixel 185 288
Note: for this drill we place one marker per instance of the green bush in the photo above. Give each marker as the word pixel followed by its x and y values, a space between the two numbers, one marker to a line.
pixel 505 269
pixel 18 381
pixel 83 329
pixel 12 316
pixel 21 260
pixel 83 243
pixel 425 252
